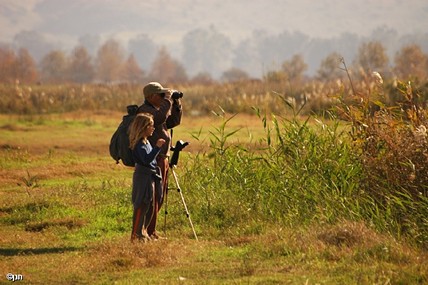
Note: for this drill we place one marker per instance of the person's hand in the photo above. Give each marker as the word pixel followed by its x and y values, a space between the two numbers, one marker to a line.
pixel 168 94
pixel 160 142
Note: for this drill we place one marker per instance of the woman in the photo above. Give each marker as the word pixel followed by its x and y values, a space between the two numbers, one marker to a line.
pixel 146 181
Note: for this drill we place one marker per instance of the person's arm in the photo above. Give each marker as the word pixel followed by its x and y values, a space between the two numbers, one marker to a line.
pixel 147 154
pixel 174 119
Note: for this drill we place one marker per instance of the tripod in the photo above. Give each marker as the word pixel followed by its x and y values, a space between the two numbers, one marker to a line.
pixel 173 164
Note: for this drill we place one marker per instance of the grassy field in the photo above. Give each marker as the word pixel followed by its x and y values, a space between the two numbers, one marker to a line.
pixel 65 215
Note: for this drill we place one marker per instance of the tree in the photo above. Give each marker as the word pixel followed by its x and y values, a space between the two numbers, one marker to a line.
pixel 131 71
pixel 7 65
pixel 248 54
pixel 372 57
pixel 330 67
pixel 411 61
pixel 26 70
pixel 274 76
pixel 203 78
pixel 295 68
pixel 91 43
pixel 81 69
pixel 206 51
pixel 167 69
pixel 234 74
pixel 110 58
pixel 34 42
pixel 53 67
pixel 144 50
pixel 275 49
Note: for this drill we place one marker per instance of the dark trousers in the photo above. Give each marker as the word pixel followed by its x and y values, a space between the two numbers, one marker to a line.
pixel 141 219
pixel 163 164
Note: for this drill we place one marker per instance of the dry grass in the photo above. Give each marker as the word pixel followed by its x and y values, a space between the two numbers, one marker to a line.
pixel 54 243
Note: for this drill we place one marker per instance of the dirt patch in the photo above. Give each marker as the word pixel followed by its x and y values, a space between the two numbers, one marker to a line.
pixel 13 128
pixel 348 234
pixel 121 254
pixel 9 147
pixel 68 223
pixel 14 177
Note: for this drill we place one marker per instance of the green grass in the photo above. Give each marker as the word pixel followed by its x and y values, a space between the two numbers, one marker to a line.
pixel 284 210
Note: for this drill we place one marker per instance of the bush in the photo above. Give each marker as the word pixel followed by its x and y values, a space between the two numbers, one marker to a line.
pixel 391 142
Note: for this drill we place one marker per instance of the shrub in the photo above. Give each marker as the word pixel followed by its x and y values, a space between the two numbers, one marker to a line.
pixel 391 142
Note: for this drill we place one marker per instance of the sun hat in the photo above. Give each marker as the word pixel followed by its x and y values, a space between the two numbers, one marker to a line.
pixel 154 88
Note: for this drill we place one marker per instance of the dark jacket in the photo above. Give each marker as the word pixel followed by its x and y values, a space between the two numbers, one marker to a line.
pixel 166 117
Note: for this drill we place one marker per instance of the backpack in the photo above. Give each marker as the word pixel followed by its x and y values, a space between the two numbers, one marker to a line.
pixel 119 143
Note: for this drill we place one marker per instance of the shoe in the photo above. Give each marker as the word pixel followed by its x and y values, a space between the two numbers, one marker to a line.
pixel 155 236
pixel 140 238
pixel 145 236
pixel 144 239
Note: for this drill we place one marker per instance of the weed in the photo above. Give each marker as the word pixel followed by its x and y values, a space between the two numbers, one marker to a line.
pixel 30 182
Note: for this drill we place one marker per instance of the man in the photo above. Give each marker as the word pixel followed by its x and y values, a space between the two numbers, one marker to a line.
pixel 167 114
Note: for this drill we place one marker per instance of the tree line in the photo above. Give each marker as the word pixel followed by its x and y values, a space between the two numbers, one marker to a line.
pixel 112 64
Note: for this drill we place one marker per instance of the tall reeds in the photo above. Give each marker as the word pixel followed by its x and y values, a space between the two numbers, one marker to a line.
pixel 362 164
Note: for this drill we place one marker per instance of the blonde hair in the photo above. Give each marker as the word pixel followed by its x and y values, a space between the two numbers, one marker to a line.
pixel 136 131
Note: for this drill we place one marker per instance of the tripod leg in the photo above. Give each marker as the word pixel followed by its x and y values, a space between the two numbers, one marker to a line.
pixel 184 203
pixel 166 212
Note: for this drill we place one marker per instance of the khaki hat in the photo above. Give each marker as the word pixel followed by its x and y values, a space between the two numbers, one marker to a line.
pixel 154 88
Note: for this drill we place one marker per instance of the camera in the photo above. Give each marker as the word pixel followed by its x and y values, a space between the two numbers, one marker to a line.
pixel 176 94
pixel 176 151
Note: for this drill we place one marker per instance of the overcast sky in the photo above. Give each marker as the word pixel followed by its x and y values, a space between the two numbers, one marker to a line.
pixel 63 21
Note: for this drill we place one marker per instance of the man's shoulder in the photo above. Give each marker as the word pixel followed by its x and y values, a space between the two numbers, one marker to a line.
pixel 146 108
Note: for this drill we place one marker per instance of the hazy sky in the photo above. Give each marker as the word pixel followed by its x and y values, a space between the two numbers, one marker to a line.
pixel 63 21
